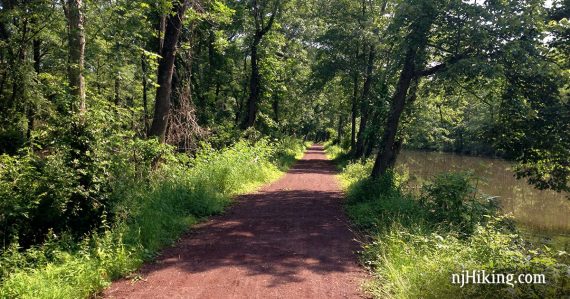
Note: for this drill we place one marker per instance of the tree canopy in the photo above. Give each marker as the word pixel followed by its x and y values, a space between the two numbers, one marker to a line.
pixel 479 77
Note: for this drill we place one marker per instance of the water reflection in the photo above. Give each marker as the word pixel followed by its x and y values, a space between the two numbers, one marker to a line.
pixel 540 213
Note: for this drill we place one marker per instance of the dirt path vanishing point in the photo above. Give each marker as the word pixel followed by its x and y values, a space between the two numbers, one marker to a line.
pixel 289 240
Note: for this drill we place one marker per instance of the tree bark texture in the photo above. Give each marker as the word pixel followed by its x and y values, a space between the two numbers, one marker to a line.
pixel 354 112
pixel 416 40
pixel 76 40
pixel 166 70
pixel 255 80
pixel 388 149
pixel 365 104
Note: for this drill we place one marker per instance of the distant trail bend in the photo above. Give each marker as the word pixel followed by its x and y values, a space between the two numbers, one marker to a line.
pixel 289 240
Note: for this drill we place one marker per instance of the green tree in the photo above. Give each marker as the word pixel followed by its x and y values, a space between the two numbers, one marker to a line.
pixel 174 23
pixel 262 25
pixel 458 42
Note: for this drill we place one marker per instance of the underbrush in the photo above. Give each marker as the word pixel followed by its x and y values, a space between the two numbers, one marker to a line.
pixel 415 242
pixel 289 150
pixel 337 153
pixel 142 214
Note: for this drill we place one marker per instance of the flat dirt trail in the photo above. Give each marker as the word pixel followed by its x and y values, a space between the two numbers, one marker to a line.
pixel 289 240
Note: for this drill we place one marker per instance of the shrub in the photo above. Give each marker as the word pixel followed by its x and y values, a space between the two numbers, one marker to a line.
pixel 334 151
pixel 287 150
pixel 452 199
pixel 62 191
pixel 414 245
pixel 374 205
pixel 145 211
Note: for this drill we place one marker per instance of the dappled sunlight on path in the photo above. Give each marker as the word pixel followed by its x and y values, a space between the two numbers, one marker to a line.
pixel 289 240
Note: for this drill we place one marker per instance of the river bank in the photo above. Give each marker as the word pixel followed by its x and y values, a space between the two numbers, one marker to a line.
pixel 415 242
pixel 542 215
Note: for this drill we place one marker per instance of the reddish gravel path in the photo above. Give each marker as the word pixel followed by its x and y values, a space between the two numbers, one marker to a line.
pixel 289 240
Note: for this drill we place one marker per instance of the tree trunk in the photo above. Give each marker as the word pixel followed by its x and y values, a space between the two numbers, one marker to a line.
pixel 364 104
pixel 18 80
pixel 255 80
pixel 36 46
pixel 5 34
pixel 416 43
pixel 31 113
pixel 389 148
pixel 117 98
pixel 217 91
pixel 144 68
pixel 339 129
pixel 161 32
pixel 371 139
pixel 76 39
pixel 254 86
pixel 354 111
pixel 239 100
pixel 165 71
pixel 275 106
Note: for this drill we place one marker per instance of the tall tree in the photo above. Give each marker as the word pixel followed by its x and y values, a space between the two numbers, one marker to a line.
pixel 166 69
pixel 415 43
pixel 455 41
pixel 365 103
pixel 262 27
pixel 76 48
pixel 354 109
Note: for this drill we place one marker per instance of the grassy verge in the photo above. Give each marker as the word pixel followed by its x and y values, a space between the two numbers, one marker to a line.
pixel 151 213
pixel 415 242
pixel 339 155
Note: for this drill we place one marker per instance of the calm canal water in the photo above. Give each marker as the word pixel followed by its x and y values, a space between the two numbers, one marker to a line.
pixel 542 215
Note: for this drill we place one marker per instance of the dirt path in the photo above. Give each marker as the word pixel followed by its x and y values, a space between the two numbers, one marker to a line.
pixel 290 240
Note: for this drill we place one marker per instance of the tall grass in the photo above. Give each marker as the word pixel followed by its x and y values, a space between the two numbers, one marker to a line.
pixel 334 151
pixel 416 242
pixel 337 153
pixel 149 215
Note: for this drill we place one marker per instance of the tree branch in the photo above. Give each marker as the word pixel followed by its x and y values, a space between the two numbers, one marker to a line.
pixel 275 11
pixel 432 70
pixel 438 68
pixel 256 16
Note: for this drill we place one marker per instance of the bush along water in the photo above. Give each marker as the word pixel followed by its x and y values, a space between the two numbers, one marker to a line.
pixel 414 243
pixel 68 230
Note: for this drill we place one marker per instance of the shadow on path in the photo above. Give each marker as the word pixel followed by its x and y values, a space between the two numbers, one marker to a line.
pixel 290 240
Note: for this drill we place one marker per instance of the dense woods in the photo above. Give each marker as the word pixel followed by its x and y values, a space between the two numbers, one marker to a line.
pixel 108 105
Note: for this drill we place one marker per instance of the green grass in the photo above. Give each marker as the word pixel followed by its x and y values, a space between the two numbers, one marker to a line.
pixel 415 242
pixel 149 215
pixel 338 154
pixel 333 151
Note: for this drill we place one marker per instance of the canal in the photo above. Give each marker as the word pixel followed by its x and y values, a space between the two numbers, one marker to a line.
pixel 542 215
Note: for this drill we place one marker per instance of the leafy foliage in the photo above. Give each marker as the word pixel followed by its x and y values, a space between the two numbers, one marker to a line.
pixel 414 245
pixel 145 217
pixel 86 195
pixel 452 199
